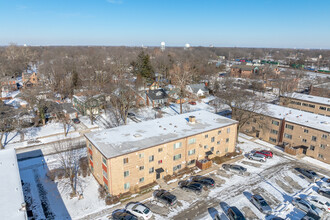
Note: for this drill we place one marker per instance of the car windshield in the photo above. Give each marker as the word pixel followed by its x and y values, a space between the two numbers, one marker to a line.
pixel 327 203
pixel 146 211
pixel 263 203
pixel 313 207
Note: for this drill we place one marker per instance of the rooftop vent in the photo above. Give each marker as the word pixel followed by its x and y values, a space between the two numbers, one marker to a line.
pixel 192 119
pixel 137 135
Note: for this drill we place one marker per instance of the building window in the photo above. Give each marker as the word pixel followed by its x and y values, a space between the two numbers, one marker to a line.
pixel 227 140
pixel 90 146
pixel 125 160
pixel 105 174
pixel 191 162
pixel 218 152
pixel 191 152
pixel 273 131
pixel 141 180
pixel 160 161
pixel 177 145
pixel 192 141
pixel 304 140
pixel 206 136
pixel 91 157
pixel 219 132
pixel 312 147
pixel 324 136
pixel 228 130
pixel 322 146
pixel 175 168
pixel 311 106
pixel 126 173
pixel 320 156
pixel 288 136
pixel 226 149
pixel 304 104
pixel 141 168
pixel 177 157
pixel 275 123
pixel 272 140
pixel 205 146
pixel 212 139
pixel 289 126
pixel 323 108
pixel 218 142
pixel 126 186
pixel 328 109
pixel 160 150
pixel 104 161
pixel 151 170
pixel 305 131
pixel 151 158
pixel 212 149
pixel 314 138
pixel 141 155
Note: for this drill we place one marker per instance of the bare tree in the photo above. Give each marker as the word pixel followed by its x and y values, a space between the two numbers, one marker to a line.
pixel 7 121
pixel 68 158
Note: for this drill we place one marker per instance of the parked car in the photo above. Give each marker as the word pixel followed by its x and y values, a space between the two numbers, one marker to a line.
pixel 205 181
pixel 325 185
pixel 305 206
pixel 138 209
pixel 311 216
pixel 324 192
pixel 261 204
pixel 258 157
pixel 310 174
pixel 234 168
pixel 267 153
pixel 191 186
pixel 165 197
pixel 130 114
pixel 192 103
pixel 234 213
pixel 319 202
pixel 76 120
pixel 123 214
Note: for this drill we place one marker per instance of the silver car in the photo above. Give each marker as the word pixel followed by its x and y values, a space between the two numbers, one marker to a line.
pixel 261 204
pixel 305 206
pixel 234 168
pixel 258 157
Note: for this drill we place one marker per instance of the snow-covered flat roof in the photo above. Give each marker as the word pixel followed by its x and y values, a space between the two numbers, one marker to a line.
pixel 11 193
pixel 309 98
pixel 298 117
pixel 122 140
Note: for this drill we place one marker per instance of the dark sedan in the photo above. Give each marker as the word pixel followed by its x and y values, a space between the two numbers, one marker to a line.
pixel 165 197
pixel 123 214
pixel 205 181
pixel 191 186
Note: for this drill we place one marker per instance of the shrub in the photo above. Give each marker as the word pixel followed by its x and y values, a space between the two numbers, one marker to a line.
pixel 83 165
pixel 109 200
pixel 102 192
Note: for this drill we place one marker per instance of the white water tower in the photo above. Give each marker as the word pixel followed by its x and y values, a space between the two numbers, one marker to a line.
pixel 186 46
pixel 162 46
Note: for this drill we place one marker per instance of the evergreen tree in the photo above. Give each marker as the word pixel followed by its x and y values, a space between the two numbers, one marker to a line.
pixel 142 66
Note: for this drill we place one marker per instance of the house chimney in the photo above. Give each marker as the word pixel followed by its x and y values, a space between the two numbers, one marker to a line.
pixel 192 119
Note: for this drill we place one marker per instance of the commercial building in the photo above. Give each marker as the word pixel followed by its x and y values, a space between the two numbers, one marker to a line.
pixel 131 156
pixel 292 128
pixel 12 199
pixel 314 104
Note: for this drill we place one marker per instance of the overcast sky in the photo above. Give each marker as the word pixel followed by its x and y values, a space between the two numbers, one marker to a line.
pixel 248 23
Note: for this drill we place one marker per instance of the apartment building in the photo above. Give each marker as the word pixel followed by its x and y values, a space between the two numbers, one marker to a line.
pixel 292 128
pixel 314 104
pixel 131 156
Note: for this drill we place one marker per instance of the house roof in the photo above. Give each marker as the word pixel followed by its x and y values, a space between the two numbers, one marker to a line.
pixel 11 192
pixel 157 94
pixel 309 98
pixel 196 87
pixel 296 116
pixel 126 139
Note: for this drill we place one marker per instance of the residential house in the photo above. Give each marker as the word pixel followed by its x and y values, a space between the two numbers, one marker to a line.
pixel 29 78
pixel 156 97
pixel 128 157
pixel 309 103
pixel 291 128
pixel 88 102
pixel 198 90
pixel 244 71
pixel 320 90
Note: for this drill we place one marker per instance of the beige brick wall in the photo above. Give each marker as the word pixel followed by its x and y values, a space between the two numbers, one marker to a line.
pixel 305 106
pixel 116 166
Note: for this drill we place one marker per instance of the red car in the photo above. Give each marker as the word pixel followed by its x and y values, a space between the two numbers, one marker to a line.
pixel 267 153
pixel 192 103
